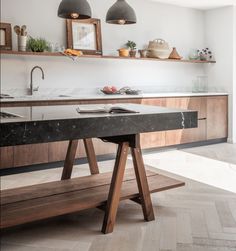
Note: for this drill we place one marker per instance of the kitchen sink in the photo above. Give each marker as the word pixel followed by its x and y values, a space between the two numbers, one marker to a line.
pixel 8 115
pixel 5 96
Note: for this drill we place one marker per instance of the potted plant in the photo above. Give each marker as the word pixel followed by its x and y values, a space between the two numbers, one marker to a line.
pixel 123 52
pixel 205 54
pixel 37 45
pixel 132 46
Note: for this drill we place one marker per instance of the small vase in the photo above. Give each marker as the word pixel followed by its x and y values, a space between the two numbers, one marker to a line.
pixel 132 53
pixel 143 53
pixel 22 41
pixel 194 54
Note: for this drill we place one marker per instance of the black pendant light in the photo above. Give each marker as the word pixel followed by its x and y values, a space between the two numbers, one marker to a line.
pixel 121 13
pixel 74 9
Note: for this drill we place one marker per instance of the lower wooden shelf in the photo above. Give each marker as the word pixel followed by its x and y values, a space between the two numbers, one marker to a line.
pixel 32 203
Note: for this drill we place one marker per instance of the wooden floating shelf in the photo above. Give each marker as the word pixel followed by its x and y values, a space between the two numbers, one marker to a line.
pixel 58 54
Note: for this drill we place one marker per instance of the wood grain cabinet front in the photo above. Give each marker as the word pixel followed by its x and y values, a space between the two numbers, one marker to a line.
pixel 175 137
pixel 198 104
pixel 153 139
pixel 30 154
pixel 217 117
pixel 6 157
pixel 212 124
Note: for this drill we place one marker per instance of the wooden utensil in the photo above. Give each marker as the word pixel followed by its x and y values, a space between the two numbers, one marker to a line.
pixel 23 30
pixel 17 30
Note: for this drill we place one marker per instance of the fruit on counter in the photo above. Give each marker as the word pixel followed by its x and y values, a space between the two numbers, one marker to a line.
pixel 110 89
pixel 114 89
pixel 71 52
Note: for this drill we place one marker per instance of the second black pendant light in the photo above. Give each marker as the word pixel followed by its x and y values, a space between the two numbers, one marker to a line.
pixel 121 13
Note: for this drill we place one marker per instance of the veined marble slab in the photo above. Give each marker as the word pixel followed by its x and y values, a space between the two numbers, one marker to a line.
pixel 58 123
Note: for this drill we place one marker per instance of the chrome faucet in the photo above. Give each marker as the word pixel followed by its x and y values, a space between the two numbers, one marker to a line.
pixel 32 88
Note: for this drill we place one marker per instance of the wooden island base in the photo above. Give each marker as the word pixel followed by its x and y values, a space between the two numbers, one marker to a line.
pixel 105 190
pixel 43 201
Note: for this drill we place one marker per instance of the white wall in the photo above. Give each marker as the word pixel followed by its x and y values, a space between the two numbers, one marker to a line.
pixel 234 79
pixel 219 37
pixel 181 27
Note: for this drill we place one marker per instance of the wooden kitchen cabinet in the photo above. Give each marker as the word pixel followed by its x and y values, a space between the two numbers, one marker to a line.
pixel 184 136
pixel 57 151
pixel 189 103
pixel 217 117
pixel 100 147
pixel 30 154
pixel 212 124
pixel 6 157
pixel 153 139
pixel 176 137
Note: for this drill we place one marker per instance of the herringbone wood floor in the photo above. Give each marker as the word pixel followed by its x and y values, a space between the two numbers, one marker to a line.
pixel 196 217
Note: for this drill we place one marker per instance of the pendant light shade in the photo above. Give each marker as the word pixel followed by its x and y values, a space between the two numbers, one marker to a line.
pixel 121 13
pixel 74 9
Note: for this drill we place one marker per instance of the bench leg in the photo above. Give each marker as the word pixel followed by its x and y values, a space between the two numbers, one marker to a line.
pixel 69 161
pixel 92 160
pixel 142 182
pixel 115 188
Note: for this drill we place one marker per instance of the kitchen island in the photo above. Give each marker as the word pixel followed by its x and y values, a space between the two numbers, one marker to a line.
pixel 52 124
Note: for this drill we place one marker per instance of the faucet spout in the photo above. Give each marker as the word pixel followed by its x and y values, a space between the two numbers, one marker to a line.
pixel 32 88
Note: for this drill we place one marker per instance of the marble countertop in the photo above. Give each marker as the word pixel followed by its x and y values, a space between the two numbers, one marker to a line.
pixel 41 97
pixel 58 123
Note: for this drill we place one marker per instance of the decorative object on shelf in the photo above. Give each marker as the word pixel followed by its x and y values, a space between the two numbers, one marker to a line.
pixel 200 84
pixel 85 35
pixel 37 45
pixel 5 36
pixel 123 52
pixel 158 48
pixel 56 47
pixel 205 54
pixel 72 54
pixel 21 37
pixel 121 13
pixel 194 54
pixel 175 55
pixel 132 48
pixel 143 53
pixel 74 9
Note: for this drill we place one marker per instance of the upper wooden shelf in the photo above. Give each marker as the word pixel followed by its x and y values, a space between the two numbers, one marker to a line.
pixel 58 54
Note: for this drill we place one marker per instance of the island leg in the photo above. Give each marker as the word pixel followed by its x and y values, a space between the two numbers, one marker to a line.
pixel 69 161
pixel 115 188
pixel 92 160
pixel 144 193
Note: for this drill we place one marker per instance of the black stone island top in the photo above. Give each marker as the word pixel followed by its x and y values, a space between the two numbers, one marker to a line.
pixel 57 123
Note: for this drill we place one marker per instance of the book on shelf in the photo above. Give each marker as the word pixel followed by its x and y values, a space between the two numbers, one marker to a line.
pixel 104 109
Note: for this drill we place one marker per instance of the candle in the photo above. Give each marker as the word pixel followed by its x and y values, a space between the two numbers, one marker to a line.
pixel 2 37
